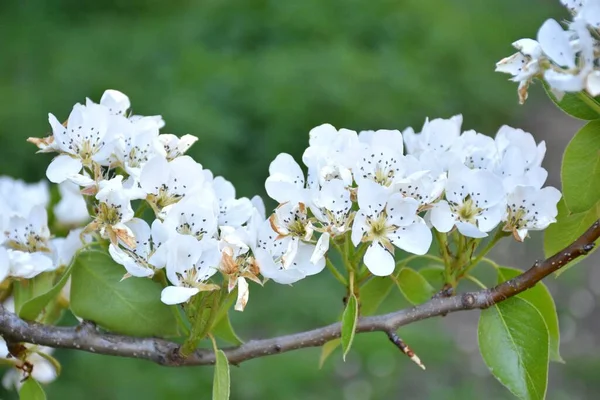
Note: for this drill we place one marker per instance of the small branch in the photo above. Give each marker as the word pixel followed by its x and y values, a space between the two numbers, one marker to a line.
pixel 87 338
pixel 394 338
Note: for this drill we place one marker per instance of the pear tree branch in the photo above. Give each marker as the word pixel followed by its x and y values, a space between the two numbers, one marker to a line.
pixel 87 337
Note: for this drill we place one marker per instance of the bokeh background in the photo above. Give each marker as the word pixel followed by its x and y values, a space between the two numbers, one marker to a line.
pixel 250 78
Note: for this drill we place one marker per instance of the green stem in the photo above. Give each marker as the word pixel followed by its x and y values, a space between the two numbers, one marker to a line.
pixel 335 272
pixel 344 256
pixel 214 309
pixel 442 240
pixel 499 235
pixel 593 104
pixel 431 257
pixel 491 262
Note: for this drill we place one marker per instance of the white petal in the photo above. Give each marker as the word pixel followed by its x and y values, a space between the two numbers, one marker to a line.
pixel 4 264
pixel 372 197
pixel 401 210
pixel 62 168
pixel 555 43
pixel 321 248
pixel 563 81
pixel 177 295
pixel 441 217
pixel 490 218
pixel 415 238
pixel 117 102
pixel 359 227
pixel 154 174
pixel 378 260
pixel 592 84
pixel 470 230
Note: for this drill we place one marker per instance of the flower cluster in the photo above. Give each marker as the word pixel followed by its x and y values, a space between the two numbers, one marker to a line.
pixel 26 246
pixel 199 226
pixel 565 59
pixel 367 186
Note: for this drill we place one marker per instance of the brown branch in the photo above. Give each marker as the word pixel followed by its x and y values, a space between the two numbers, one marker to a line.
pixel 87 338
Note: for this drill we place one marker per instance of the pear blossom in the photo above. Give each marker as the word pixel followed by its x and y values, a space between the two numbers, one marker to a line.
pixel 386 221
pixel 18 198
pixel 175 146
pixel 331 154
pixel 189 264
pixel 166 182
pixel 85 140
pixel 437 136
pixel 332 206
pixel 112 212
pixel 136 259
pixel 284 260
pixel 475 203
pixel 138 145
pixel 530 208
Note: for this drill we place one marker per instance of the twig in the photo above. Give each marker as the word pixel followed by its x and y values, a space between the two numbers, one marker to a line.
pixel 165 352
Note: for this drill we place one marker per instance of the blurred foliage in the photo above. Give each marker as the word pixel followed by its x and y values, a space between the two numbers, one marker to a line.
pixel 250 78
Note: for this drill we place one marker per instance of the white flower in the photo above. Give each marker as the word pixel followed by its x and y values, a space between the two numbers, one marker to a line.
pixel 174 146
pixel 387 221
pixel 113 211
pixel 166 182
pixel 138 144
pixel 71 209
pixel 286 180
pixel 232 212
pixel 28 233
pixel 191 217
pixel 520 158
pixel 436 136
pixel 284 260
pixel 42 370
pixel 475 203
pixel 136 259
pixel 237 262
pixel 189 264
pixel 523 65
pixel 85 140
pixel 530 208
pixel 331 205
pixel 331 154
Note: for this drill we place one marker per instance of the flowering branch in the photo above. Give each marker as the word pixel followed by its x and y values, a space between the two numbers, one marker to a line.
pixel 87 338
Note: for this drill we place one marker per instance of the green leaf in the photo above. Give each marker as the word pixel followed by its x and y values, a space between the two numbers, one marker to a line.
pixel 221 378
pixel 434 275
pixel 566 230
pixel 349 320
pixel 27 289
pixel 223 330
pixel 580 172
pixel 373 293
pixel 327 349
pixel 513 341
pixel 32 308
pixel 574 105
pixel 131 306
pixel 414 286
pixel 539 296
pixel 31 390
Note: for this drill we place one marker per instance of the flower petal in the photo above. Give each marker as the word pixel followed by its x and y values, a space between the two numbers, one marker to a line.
pixel 177 295
pixel 378 260
pixel 62 168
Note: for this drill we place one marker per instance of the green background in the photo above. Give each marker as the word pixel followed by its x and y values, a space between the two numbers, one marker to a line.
pixel 250 78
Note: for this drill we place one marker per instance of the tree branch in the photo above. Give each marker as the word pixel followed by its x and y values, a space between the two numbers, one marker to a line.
pixel 87 338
